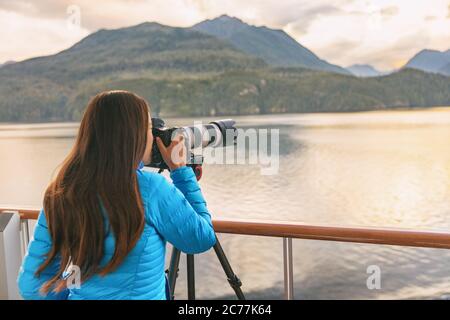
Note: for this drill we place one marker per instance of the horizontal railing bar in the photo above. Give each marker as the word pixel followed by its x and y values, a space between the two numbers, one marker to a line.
pixel 25 213
pixel 386 236
pixel 298 230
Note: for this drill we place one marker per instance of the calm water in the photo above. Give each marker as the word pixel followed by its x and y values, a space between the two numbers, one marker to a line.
pixel 389 169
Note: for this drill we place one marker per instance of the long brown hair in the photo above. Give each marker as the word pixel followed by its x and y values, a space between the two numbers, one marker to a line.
pixel 97 182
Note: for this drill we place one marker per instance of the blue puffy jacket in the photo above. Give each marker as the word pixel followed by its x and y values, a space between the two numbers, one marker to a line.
pixel 175 213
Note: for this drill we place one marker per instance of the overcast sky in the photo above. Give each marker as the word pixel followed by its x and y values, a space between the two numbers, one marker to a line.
pixel 379 32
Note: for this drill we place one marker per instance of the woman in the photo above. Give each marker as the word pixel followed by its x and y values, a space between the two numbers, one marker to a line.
pixel 110 219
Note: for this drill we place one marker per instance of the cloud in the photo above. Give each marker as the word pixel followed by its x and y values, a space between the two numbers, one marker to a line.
pixel 107 14
pixel 430 18
pixel 350 52
pixel 389 11
pixel 38 9
pixel 118 13
pixel 340 31
pixel 301 20
pixel 399 52
pixel 275 14
pixel 29 37
pixel 382 36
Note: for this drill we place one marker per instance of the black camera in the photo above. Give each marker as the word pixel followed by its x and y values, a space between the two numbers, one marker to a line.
pixel 220 133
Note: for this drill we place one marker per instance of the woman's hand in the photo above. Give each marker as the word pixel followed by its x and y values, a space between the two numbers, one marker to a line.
pixel 175 154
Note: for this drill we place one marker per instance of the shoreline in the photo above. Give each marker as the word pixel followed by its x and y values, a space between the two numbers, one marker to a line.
pixel 61 124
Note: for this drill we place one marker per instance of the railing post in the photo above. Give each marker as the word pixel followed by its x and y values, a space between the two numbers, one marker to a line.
pixel 190 276
pixel 288 269
pixel 25 232
pixel 10 255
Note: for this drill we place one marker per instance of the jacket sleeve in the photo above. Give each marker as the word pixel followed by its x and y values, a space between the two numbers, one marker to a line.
pixel 181 216
pixel 39 246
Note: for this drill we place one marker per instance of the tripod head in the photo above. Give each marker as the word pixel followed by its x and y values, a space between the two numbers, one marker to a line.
pixel 197 167
pixel 195 162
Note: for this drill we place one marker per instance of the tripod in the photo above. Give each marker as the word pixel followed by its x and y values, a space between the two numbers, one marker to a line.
pixel 233 279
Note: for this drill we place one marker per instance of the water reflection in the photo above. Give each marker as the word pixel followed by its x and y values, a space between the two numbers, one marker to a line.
pixel 374 169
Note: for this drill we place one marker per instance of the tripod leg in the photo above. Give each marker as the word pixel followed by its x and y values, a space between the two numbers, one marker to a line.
pixel 173 270
pixel 190 276
pixel 233 279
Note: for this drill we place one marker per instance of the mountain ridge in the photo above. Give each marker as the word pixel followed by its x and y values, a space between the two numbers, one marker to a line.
pixel 145 46
pixel 364 70
pixel 429 60
pixel 184 72
pixel 274 46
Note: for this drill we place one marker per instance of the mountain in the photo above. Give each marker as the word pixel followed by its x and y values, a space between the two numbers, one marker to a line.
pixel 430 61
pixel 42 88
pixel 288 90
pixel 445 69
pixel 137 49
pixel 364 70
pixel 276 47
pixel 184 72
pixel 7 63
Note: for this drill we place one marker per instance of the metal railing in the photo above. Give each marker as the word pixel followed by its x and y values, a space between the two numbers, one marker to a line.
pixel 289 230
